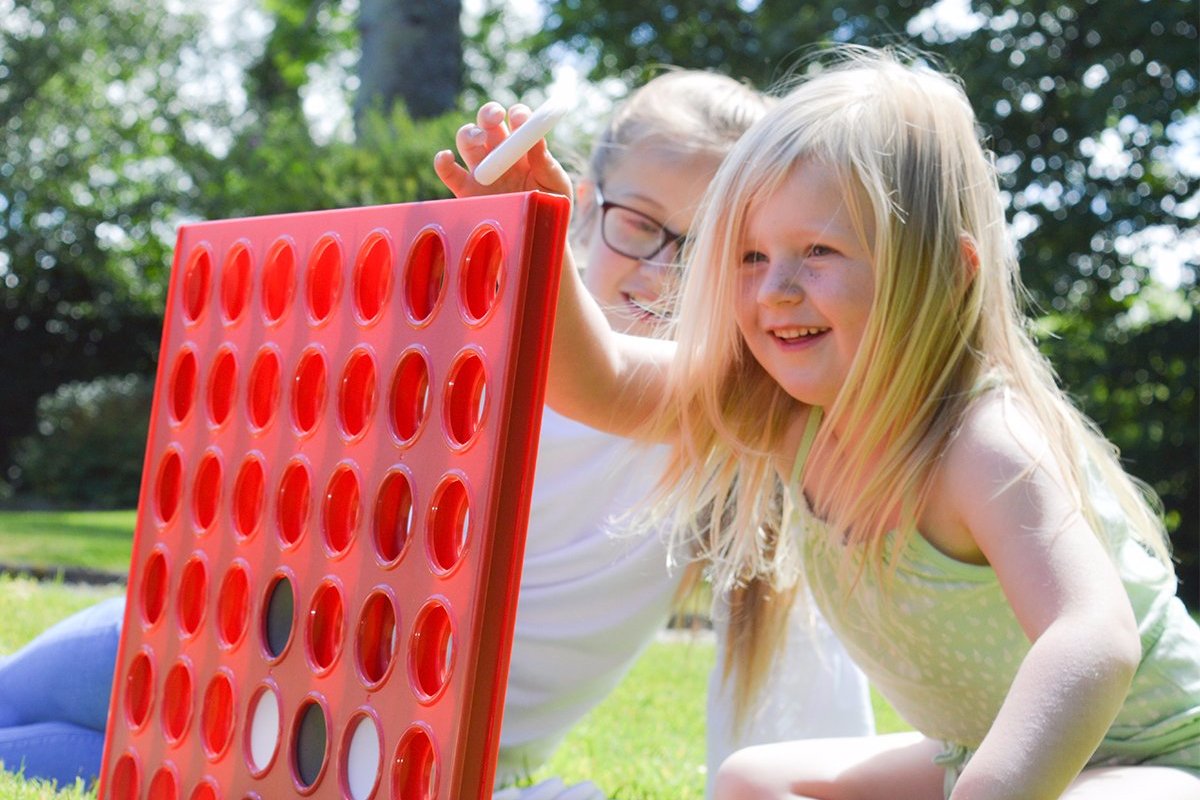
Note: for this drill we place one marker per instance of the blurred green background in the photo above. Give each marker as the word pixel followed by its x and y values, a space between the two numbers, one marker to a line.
pixel 122 119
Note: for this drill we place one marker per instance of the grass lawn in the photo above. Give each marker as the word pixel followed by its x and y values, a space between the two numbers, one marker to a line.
pixel 644 742
pixel 100 540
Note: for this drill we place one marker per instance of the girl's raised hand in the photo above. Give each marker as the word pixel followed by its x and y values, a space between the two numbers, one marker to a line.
pixel 536 169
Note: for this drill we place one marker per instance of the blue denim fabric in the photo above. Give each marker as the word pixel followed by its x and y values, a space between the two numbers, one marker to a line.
pixel 54 696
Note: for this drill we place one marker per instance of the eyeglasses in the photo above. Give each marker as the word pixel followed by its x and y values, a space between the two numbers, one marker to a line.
pixel 634 234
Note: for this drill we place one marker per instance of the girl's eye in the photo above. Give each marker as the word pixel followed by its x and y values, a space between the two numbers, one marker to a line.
pixel 637 224
pixel 818 250
pixel 753 257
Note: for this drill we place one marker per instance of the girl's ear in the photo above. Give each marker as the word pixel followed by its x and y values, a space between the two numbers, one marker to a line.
pixel 583 212
pixel 969 250
pixel 585 196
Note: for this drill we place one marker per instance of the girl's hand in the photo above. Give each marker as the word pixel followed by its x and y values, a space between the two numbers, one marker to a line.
pixel 537 169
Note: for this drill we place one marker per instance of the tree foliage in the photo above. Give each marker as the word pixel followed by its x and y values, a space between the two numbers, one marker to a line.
pixel 114 133
pixel 90 111
pixel 89 444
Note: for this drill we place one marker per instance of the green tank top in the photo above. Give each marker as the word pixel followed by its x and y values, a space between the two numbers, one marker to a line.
pixel 938 639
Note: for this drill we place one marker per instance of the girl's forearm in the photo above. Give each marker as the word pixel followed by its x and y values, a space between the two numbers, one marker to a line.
pixel 1064 698
pixel 602 378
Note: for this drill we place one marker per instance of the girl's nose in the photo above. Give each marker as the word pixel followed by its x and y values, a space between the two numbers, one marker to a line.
pixel 781 283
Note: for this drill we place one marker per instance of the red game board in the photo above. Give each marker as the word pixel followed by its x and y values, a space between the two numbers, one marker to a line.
pixel 334 502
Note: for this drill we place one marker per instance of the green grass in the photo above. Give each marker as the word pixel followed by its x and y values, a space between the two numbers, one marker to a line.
pixel 101 540
pixel 13 787
pixel 644 742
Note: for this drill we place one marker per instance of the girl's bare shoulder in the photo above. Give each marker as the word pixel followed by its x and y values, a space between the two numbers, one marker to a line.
pixel 997 448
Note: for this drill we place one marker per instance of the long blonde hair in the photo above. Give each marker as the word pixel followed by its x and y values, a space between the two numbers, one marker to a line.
pixel 903 140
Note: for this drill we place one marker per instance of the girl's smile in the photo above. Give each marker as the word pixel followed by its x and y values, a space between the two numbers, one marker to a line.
pixel 806 285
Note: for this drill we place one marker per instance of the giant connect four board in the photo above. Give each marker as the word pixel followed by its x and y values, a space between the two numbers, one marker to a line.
pixel 334 502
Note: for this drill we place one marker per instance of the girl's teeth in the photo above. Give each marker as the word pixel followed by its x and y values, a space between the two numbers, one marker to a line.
pixel 796 333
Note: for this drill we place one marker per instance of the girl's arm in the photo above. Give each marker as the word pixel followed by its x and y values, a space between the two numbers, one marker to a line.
pixel 602 378
pixel 1005 493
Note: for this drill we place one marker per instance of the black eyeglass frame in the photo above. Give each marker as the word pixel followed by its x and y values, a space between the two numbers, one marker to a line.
pixel 669 237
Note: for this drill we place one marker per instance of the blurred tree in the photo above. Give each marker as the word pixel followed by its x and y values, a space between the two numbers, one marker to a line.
pixel 1092 112
pixel 90 442
pixel 411 52
pixel 92 100
pixel 119 122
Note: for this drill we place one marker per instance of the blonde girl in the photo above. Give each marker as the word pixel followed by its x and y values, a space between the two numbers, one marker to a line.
pixel 592 596
pixel 849 331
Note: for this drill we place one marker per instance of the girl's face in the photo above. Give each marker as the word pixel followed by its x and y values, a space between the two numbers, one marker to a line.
pixel 805 285
pixel 655 189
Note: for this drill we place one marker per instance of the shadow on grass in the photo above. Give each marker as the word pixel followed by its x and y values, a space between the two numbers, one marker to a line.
pixel 45 542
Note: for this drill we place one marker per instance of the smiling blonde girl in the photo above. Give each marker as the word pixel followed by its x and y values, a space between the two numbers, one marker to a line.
pixel 849 334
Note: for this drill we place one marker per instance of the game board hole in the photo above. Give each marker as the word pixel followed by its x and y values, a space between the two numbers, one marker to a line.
pixel 356 394
pixel 164 785
pixel 311 743
pixel 308 391
pixel 235 282
pixel 414 769
pixel 431 650
pixel 177 702
pixel 183 385
pixel 264 388
pixel 205 790
pixel 376 639
pixel 466 393
pixel 125 780
pixel 425 275
pixel 449 523
pixel 372 277
pixel 139 690
pixel 206 491
pixel 216 716
pixel 410 395
pixel 233 605
pixel 326 618
pixel 294 501
pixel 222 386
pixel 195 283
pixel 193 594
pixel 393 516
pixel 169 486
pixel 280 611
pixel 264 728
pixel 482 273
pixel 340 517
pixel 248 496
pixel 324 278
pixel 279 277
pixel 362 766
pixel 154 588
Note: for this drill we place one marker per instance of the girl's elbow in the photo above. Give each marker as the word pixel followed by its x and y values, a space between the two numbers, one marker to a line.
pixel 1129 653
pixel 1122 651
